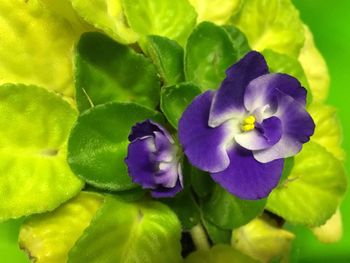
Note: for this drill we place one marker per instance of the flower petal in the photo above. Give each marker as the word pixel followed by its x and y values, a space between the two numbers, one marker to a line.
pixel 268 133
pixel 205 147
pixel 263 90
pixel 139 161
pixel 165 151
pixel 247 178
pixel 297 126
pixel 163 192
pixel 229 99
pixel 167 175
pixel 146 128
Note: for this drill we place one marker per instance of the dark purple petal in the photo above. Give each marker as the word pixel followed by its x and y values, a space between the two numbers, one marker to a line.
pixel 146 128
pixel 229 99
pixel 263 90
pixel 265 135
pixel 297 126
pixel 142 129
pixel 247 178
pixel 204 146
pixel 152 159
pixel 141 168
pixel 163 192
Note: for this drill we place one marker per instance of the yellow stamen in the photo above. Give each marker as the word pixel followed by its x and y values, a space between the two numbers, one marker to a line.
pixel 248 123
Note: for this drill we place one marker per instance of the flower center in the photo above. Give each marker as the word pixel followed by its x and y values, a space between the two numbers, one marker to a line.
pixel 248 123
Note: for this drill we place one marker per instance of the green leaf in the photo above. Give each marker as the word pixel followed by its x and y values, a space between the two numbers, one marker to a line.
pixel 219 253
pixel 35 47
pixel 238 39
pixel 107 16
pixel 9 249
pixel 287 169
pixel 201 182
pixel 272 24
pixel 209 52
pixel 328 132
pixel 98 143
pixel 175 99
pixel 315 68
pixel 132 195
pixel 34 174
pixel 227 211
pixel 216 234
pixel 313 190
pixel 107 71
pixel 171 19
pixel 216 11
pixel 167 55
pixel 263 240
pixel 49 237
pixel 185 207
pixel 130 232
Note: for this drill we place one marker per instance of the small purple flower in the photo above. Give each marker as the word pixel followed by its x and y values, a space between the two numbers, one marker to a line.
pixel 242 132
pixel 152 160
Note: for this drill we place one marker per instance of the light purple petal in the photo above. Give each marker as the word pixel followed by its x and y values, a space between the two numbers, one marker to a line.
pixel 228 101
pixel 179 171
pixel 247 178
pixel 167 175
pixel 165 150
pixel 264 136
pixel 264 112
pixel 263 90
pixel 297 126
pixel 163 192
pixel 139 161
pixel 205 147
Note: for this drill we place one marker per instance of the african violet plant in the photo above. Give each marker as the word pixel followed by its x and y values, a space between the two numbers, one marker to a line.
pixel 164 131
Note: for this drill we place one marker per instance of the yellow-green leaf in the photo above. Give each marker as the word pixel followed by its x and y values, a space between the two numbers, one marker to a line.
pixel 64 8
pixel 271 24
pixel 36 47
pixel 262 240
pixel 328 132
pixel 49 237
pixel 123 232
pixel 217 11
pixel 168 18
pixel 219 254
pixel 313 190
pixel 314 67
pixel 34 173
pixel 107 16
pixel 331 231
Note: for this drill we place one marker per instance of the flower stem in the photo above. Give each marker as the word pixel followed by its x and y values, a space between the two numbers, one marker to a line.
pixel 199 237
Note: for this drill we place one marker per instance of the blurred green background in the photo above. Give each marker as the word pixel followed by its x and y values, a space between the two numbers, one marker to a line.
pixel 330 23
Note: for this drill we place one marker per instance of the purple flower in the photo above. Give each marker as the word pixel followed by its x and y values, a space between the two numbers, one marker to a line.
pixel 152 160
pixel 242 132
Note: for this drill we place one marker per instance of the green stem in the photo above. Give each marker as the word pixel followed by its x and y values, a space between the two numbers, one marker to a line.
pixel 199 237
